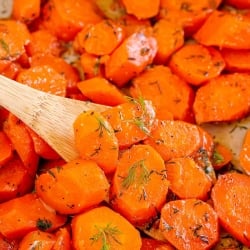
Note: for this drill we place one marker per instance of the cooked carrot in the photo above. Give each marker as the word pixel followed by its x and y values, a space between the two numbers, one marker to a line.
pixel 236 60
pixel 44 78
pixel 231 203
pixel 3 116
pixel 14 36
pixel 240 4
pixel 168 92
pixel 6 244
pixel 173 139
pixel 65 19
pixel 62 187
pixel 37 240
pixel 224 98
pixel 196 63
pixel 152 244
pixel 222 155
pixel 63 239
pixel 24 214
pixel 102 228
pixel 4 64
pixel 187 179
pixel 95 140
pixel 189 224
pixel 142 9
pixel 42 41
pixel 245 153
pixel 131 57
pixel 6 148
pixel 232 30
pixel 101 38
pixel 140 184
pixel 132 121
pixel 168 42
pixel 26 10
pixel 100 90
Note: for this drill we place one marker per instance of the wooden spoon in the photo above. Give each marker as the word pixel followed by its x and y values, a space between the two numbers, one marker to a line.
pixel 50 116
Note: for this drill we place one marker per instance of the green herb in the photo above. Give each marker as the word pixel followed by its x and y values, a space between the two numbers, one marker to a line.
pixel 4 45
pixel 102 126
pixel 96 68
pixel 139 122
pixel 43 224
pixel 217 157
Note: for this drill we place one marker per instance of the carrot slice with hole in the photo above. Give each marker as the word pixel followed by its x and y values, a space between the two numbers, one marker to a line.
pixel 6 148
pixel 189 224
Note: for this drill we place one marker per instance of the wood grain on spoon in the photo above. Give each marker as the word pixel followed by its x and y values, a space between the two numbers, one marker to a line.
pixel 50 116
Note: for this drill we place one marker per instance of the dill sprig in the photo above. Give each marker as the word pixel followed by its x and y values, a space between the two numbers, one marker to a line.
pixel 102 126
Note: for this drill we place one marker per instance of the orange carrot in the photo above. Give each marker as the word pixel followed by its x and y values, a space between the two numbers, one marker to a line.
pixel 61 187
pixel 132 121
pixel 168 92
pixel 26 10
pixel 245 153
pixel 22 215
pixel 63 239
pixel 12 70
pixel 6 148
pixel 102 228
pixel 173 139
pixel 232 30
pixel 131 57
pixel 196 63
pixel 187 179
pixel 231 203
pixel 95 140
pixel 152 244
pixel 3 116
pixel 225 98
pixel 100 90
pixel 240 4
pixel 44 78
pixel 140 184
pixel 6 244
pixel 168 42
pixel 142 9
pixel 189 224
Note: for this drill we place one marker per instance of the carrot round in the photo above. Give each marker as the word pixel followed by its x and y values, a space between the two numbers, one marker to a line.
pixel 102 228
pixel 168 92
pixel 224 98
pixel 189 224
pixel 95 140
pixel 230 196
pixel 197 64
pixel 6 148
pixel 140 184
pixel 61 187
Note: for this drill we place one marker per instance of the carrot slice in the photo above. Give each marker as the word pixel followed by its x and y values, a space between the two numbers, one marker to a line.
pixel 61 187
pixel 232 30
pixel 224 98
pixel 12 70
pixel 100 90
pixel 140 184
pixel 231 202
pixel 131 57
pixel 173 139
pixel 152 244
pixel 245 153
pixel 92 127
pixel 6 148
pixel 189 224
pixel 196 63
pixel 63 239
pixel 132 121
pixel 22 215
pixel 187 179
pixel 102 228
pixel 168 92
pixel 6 244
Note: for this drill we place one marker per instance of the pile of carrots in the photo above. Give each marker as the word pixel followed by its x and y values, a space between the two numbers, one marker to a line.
pixel 148 176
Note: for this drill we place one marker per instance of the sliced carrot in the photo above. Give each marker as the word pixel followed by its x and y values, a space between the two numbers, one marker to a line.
pixel 37 239
pixel 187 179
pixel 92 127
pixel 173 139
pixel 168 42
pixel 6 244
pixel 102 228
pixel 131 57
pixel 142 9
pixel 232 30
pixel 189 224
pixel 22 215
pixel 100 90
pixel 240 4
pixel 26 10
pixel 168 92
pixel 152 244
pixel 101 38
pixel 12 70
pixel 140 184
pixel 61 187
pixel 63 239
pixel 196 63
pixel 6 148
pixel 244 156
pixel 231 202
pixel 3 116
pixel 44 78
pixel 132 121
pixel 224 98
